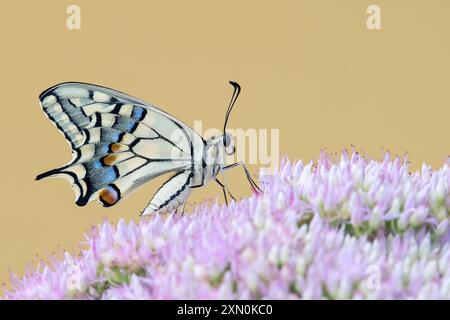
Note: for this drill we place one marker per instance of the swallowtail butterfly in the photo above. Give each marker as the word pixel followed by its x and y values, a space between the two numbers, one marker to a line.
pixel 120 142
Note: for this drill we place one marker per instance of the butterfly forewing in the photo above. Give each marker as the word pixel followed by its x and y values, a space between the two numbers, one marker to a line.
pixel 118 141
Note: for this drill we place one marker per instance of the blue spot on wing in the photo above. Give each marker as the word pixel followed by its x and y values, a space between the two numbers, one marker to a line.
pixel 97 164
pixel 124 124
pixel 109 135
pixel 110 175
pixel 130 125
pixel 138 113
pixel 99 178
pixel 115 136
pixel 101 149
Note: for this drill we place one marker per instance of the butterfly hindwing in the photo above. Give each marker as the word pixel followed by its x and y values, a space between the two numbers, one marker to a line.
pixel 118 142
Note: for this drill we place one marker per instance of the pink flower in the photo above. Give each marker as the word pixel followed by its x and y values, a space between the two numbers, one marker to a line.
pixel 347 228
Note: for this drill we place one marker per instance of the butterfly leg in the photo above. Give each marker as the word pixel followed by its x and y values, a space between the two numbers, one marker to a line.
pixel 184 203
pixel 253 184
pixel 225 190
pixel 184 206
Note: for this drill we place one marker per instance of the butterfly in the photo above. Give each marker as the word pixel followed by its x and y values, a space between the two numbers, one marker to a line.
pixel 119 143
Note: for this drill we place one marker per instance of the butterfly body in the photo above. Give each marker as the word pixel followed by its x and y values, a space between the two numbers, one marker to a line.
pixel 120 142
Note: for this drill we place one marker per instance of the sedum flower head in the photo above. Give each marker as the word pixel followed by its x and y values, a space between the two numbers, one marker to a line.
pixel 330 229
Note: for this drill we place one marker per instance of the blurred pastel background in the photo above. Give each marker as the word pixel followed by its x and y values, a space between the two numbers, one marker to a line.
pixel 311 69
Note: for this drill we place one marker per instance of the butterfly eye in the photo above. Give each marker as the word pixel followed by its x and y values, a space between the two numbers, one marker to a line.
pixel 226 140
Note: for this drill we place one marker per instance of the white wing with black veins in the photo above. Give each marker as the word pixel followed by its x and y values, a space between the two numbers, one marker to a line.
pixel 118 142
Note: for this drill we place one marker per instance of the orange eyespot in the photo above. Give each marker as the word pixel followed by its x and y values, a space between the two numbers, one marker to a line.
pixel 116 147
pixel 108 196
pixel 109 159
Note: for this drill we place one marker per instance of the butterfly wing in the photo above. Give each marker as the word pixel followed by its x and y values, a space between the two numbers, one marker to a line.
pixel 171 194
pixel 118 142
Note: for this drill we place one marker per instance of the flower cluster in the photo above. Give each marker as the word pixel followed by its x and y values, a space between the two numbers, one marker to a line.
pixel 334 229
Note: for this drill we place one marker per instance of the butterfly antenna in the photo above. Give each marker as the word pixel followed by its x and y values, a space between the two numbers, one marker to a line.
pixel 237 90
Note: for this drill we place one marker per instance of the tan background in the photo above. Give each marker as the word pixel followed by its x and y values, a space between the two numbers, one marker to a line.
pixel 310 68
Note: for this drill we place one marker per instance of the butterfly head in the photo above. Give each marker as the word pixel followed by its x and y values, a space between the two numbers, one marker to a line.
pixel 219 146
pixel 228 145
